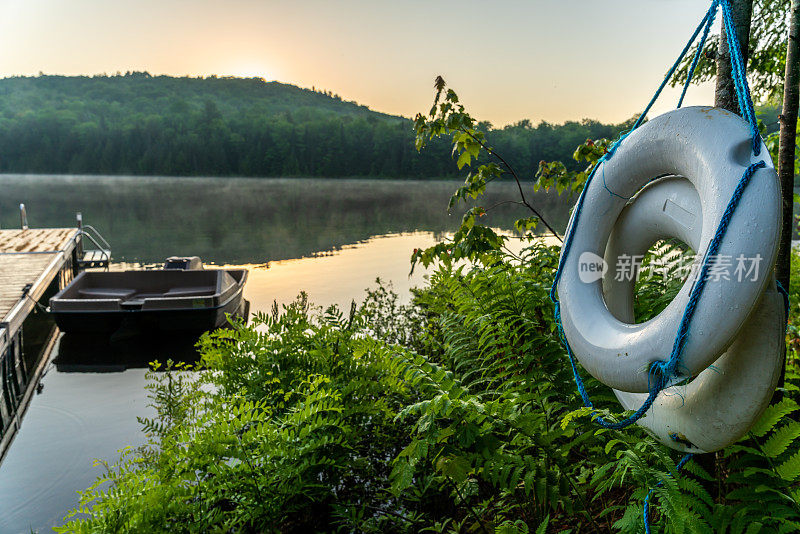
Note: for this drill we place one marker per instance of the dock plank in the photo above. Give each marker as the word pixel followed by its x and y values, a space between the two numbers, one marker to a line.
pixel 27 255
pixel 35 240
pixel 16 271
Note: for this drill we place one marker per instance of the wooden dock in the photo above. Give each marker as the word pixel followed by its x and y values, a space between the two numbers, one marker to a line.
pixel 31 257
pixel 34 265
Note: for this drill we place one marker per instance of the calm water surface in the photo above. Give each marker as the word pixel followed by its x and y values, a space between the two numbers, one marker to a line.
pixel 331 238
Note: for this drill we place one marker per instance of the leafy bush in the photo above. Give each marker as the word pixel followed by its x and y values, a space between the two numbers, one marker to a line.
pixel 309 421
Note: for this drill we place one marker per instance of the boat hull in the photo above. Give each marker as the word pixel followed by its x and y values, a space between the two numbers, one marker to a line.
pixel 194 320
pixel 191 301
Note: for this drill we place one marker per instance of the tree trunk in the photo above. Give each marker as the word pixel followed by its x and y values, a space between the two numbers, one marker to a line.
pixel 788 140
pixel 725 95
pixel 786 150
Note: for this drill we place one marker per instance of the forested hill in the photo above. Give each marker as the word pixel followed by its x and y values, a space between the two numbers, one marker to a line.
pixel 140 124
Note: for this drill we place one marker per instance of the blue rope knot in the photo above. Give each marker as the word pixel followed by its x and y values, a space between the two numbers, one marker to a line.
pixel 660 374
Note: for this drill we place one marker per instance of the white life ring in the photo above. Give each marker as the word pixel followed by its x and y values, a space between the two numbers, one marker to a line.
pixel 719 405
pixel 711 148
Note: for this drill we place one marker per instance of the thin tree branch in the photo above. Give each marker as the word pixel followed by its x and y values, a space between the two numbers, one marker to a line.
pixel 513 173
pixel 469 506
pixel 502 202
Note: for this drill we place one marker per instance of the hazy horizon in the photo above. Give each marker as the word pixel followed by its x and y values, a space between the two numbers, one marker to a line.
pixel 512 60
pixel 311 88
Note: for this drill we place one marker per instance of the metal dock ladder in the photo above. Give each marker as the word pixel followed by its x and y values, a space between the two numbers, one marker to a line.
pixel 98 257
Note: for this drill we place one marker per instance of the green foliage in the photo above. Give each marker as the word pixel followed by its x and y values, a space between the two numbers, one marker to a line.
pixel 766 56
pixel 772 141
pixel 555 175
pixel 291 423
pixel 448 118
pixel 662 273
pixel 159 125
pixel 457 413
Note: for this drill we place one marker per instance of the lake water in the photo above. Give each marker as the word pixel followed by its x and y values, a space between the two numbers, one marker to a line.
pixel 331 238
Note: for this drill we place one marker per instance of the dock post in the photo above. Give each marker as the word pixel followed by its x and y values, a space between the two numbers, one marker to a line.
pixel 77 252
pixel 23 217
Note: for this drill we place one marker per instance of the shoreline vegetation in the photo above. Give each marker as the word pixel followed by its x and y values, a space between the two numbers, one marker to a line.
pixel 455 413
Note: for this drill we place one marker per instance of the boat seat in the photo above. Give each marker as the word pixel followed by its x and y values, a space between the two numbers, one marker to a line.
pixel 146 295
pixel 105 293
pixel 199 291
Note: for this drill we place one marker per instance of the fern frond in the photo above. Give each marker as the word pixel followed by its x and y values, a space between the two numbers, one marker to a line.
pixel 781 439
pixel 790 469
pixel 772 415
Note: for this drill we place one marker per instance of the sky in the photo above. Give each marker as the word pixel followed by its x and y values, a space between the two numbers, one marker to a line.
pixel 552 60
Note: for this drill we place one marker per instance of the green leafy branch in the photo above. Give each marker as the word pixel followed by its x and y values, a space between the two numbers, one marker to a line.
pixel 449 118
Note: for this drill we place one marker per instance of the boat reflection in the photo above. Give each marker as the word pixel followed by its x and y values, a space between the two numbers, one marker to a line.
pixel 82 353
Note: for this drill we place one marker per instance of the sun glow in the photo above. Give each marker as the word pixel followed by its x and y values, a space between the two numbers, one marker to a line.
pixel 250 70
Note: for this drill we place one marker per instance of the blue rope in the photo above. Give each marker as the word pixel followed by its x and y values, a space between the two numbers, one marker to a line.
pixel 739 72
pixel 646 513
pixel 675 66
pixel 669 368
pixel 661 372
pixel 786 302
pixel 709 20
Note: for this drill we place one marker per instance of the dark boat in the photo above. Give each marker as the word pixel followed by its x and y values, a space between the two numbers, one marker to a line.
pixel 182 297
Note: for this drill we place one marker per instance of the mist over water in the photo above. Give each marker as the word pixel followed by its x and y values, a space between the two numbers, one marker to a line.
pixel 248 220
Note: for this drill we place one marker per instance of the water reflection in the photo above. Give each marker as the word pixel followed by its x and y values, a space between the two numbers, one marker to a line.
pixel 239 220
pixel 87 409
pixel 341 277
pixel 77 418
pixel 82 353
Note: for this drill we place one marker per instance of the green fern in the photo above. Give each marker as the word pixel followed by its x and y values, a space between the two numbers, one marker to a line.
pixel 781 439
pixel 471 423
pixel 773 414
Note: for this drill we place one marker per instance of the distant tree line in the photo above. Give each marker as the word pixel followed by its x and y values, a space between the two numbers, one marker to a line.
pixel 139 124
